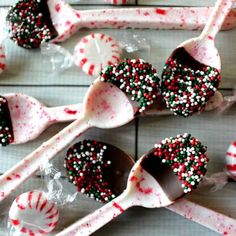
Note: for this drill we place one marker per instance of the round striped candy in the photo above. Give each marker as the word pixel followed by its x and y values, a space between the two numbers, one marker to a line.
pixel 2 59
pixel 95 52
pixel 231 161
pixel 32 214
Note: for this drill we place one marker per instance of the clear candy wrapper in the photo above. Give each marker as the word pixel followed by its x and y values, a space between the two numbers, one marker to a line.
pixel 37 212
pixel 214 182
pixel 229 101
pixel 95 51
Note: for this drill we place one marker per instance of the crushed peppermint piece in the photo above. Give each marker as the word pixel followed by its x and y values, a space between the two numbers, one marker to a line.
pixel 30 23
pixel 187 85
pixel 6 131
pixel 186 157
pixel 136 78
pixel 86 162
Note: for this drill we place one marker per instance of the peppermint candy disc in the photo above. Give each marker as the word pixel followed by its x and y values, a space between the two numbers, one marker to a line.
pixel 95 52
pixel 2 59
pixel 231 161
pixel 32 214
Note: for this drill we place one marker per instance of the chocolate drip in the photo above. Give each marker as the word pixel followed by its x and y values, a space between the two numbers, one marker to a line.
pixel 6 130
pixel 164 175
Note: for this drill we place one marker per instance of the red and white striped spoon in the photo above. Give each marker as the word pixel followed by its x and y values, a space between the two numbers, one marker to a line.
pixel 61 20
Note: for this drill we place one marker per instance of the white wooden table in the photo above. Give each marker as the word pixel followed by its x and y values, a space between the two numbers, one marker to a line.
pixel 28 72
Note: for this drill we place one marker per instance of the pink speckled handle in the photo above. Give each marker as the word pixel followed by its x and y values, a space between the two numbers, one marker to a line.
pixel 2 59
pixel 222 9
pixel 64 113
pixel 68 21
pixel 211 219
pixel 30 164
pixel 100 217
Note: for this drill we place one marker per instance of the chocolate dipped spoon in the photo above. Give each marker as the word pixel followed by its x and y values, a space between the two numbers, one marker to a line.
pixel 192 73
pixel 100 171
pixel 105 106
pixel 27 118
pixel 170 170
pixel 33 22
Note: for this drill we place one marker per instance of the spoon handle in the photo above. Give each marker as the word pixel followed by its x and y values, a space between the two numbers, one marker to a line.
pixel 68 21
pixel 100 217
pixel 64 113
pixel 217 17
pixel 30 164
pixel 211 219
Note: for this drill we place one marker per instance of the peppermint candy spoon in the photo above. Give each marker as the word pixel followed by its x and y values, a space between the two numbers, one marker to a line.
pixel 26 117
pixel 192 73
pixel 171 169
pixel 55 20
pixel 99 170
pixel 32 214
pixel 105 106
pixel 111 165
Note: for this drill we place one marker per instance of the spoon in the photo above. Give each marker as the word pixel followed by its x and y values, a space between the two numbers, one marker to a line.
pixel 105 106
pixel 29 117
pixel 55 20
pixel 87 175
pixel 160 177
pixel 192 73
pixel 97 169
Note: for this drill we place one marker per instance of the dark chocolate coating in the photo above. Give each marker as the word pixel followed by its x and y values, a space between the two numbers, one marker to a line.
pixel 47 17
pixel 5 120
pixel 164 175
pixel 186 59
pixel 117 173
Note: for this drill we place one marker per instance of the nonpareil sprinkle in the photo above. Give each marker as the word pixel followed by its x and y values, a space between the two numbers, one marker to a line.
pixel 86 162
pixel 186 156
pixel 136 78
pixel 187 84
pixel 30 23
pixel 6 131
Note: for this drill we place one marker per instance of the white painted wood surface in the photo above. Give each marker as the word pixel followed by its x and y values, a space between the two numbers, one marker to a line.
pixel 28 72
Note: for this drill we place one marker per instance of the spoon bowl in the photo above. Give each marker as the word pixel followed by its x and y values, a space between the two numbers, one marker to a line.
pixel 166 173
pixel 30 118
pixel 107 113
pixel 191 75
